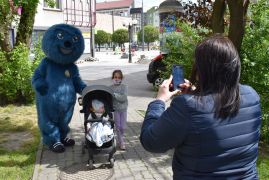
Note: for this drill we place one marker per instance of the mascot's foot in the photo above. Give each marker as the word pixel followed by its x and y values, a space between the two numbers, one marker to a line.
pixel 58 147
pixel 68 142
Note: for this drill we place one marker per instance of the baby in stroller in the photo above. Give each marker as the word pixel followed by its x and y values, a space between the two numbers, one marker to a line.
pixel 98 122
pixel 102 131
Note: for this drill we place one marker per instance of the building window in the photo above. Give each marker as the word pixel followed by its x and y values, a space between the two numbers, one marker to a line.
pixel 57 5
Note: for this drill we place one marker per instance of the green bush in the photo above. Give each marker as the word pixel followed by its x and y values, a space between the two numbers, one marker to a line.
pixel 254 55
pixel 254 58
pixel 16 70
pixel 39 54
pixel 181 48
pixel 15 77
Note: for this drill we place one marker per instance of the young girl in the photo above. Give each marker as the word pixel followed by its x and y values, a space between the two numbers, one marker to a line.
pixel 120 104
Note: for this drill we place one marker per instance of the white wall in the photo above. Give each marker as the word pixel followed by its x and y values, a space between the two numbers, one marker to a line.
pixel 47 18
pixel 104 22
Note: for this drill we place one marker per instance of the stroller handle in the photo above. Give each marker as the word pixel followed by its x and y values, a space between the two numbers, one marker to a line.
pixel 98 120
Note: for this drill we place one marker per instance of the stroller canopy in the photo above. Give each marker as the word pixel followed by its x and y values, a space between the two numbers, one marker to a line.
pixel 100 92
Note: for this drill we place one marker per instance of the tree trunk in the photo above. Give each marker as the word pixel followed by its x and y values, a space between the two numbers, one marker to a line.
pixel 26 24
pixel 6 19
pixel 238 10
pixel 219 8
pixel 5 40
pixel 148 46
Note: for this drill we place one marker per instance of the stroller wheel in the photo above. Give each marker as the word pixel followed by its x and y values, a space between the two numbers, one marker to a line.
pixel 111 161
pixel 90 164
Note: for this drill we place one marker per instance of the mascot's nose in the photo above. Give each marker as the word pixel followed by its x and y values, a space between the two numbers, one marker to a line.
pixel 67 44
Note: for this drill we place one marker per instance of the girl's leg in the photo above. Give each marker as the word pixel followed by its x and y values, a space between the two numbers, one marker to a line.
pixel 123 121
pixel 118 126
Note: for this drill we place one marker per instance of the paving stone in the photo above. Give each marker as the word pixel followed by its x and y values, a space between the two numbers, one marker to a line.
pixel 135 163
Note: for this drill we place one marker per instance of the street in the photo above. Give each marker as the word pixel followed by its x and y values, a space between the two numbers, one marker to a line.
pixel 134 76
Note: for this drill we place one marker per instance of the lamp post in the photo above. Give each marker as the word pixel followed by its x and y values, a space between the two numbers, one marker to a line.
pixel 130 24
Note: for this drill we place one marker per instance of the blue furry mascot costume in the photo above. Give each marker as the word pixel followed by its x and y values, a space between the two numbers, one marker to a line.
pixel 56 82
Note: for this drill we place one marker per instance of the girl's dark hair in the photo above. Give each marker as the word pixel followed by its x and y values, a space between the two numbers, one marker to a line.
pixel 117 72
pixel 216 70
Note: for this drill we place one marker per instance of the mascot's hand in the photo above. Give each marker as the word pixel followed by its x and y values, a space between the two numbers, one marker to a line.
pixel 42 88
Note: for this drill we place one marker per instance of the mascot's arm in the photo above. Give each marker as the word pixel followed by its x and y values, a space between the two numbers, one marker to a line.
pixel 78 83
pixel 39 78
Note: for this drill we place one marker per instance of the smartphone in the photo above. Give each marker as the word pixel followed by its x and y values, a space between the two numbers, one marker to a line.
pixel 178 76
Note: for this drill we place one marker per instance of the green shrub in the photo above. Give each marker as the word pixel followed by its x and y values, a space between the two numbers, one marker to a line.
pixel 15 76
pixel 254 58
pixel 181 48
pixel 16 70
pixel 39 54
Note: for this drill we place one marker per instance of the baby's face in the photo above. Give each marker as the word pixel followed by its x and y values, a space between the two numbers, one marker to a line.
pixel 100 110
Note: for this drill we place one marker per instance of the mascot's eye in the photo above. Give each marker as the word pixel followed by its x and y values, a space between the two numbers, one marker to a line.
pixel 60 36
pixel 75 39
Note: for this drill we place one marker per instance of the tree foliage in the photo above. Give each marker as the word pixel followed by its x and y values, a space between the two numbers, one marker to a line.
pixel 151 34
pixel 198 13
pixel 102 37
pixel 181 48
pixel 219 15
pixel 15 81
pixel 254 58
pixel 15 67
pixel 24 21
pixel 120 36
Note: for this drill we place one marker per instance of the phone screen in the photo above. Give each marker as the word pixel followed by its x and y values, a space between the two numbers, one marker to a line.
pixel 178 76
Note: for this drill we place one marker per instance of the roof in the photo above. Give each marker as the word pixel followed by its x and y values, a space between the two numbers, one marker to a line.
pixel 114 4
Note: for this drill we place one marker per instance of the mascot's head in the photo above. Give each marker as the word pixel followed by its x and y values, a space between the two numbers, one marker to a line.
pixel 63 43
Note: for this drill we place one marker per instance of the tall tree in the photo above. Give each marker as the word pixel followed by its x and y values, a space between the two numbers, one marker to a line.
pixel 24 20
pixel 120 36
pixel 25 27
pixel 101 38
pixel 151 34
pixel 238 12
pixel 198 13
pixel 219 14
pixel 15 67
pixel 7 16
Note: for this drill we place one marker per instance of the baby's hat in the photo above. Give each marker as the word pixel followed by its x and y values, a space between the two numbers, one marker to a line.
pixel 97 105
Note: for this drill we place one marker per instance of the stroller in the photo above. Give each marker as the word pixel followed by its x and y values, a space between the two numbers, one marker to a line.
pixel 93 96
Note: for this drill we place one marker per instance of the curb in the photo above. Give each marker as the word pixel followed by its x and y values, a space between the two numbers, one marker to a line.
pixel 38 160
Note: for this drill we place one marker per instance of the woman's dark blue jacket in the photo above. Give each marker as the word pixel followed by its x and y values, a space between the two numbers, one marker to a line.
pixel 205 147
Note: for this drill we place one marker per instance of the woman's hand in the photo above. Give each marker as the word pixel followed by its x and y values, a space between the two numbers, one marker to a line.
pixel 187 87
pixel 164 94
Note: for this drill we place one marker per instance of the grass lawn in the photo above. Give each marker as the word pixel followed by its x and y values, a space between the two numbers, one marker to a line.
pixel 19 140
pixel 263 159
pixel 263 162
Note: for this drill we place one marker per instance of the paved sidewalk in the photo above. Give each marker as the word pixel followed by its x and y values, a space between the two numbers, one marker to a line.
pixel 134 163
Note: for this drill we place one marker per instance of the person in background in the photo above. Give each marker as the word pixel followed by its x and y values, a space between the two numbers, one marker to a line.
pixel 120 104
pixel 215 128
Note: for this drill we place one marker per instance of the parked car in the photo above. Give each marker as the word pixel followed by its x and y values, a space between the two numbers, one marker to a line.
pixel 155 66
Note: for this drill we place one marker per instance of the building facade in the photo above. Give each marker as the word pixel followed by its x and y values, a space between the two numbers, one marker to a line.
pixel 115 8
pixel 152 17
pixel 75 13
